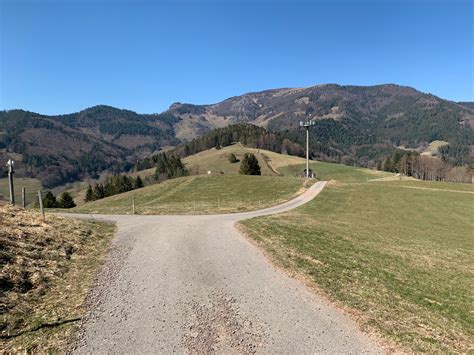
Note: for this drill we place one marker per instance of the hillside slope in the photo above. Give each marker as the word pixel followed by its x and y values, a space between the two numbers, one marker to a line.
pixel 59 149
pixel 355 125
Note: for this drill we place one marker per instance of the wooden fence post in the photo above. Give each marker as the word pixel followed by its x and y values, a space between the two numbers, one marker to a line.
pixel 40 197
pixel 133 204
pixel 23 197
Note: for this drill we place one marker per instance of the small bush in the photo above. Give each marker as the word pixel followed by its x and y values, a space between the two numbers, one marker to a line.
pixel 232 158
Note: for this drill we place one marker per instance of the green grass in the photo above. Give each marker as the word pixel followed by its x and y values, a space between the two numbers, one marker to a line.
pixel 201 195
pixel 331 171
pixel 31 186
pixel 432 185
pixel 401 258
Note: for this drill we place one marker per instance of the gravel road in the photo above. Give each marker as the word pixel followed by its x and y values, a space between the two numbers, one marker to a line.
pixel 193 284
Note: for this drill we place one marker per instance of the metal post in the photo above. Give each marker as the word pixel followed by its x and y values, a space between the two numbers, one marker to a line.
pixel 133 204
pixel 41 203
pixel 10 164
pixel 307 152
pixel 307 125
pixel 23 197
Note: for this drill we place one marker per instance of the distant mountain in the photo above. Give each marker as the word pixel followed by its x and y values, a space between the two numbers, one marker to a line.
pixel 354 125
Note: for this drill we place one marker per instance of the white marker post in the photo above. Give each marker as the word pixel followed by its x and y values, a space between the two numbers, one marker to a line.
pixel 10 164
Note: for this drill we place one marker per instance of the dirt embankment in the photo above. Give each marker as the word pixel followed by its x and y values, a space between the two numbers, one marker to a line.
pixel 46 270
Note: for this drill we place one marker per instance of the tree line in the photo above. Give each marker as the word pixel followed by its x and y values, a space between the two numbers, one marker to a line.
pixel 411 163
pixel 51 201
pixel 114 185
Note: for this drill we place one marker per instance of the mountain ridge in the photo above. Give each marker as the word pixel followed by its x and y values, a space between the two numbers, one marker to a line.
pixel 354 125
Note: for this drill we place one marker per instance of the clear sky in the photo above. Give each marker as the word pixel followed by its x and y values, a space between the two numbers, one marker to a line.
pixel 64 56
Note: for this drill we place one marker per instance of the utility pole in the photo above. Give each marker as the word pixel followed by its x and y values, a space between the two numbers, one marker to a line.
pixel 10 165
pixel 307 125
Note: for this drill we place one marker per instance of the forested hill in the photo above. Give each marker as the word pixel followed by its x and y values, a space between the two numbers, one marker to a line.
pixel 354 125
pixel 58 149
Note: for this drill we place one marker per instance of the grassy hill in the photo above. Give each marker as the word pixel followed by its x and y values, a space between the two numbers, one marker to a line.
pixel 397 254
pixel 225 190
pixel 216 160
pixel 201 195
pixel 47 268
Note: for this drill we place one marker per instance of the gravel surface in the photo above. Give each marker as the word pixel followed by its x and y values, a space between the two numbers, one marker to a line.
pixel 193 284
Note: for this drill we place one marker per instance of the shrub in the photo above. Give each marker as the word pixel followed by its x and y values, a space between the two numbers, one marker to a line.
pixel 232 158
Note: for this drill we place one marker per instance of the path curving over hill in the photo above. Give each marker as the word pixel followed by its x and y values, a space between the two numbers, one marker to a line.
pixel 194 284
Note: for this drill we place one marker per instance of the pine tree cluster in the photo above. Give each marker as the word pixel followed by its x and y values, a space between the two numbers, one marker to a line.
pixel 114 185
pixel 65 201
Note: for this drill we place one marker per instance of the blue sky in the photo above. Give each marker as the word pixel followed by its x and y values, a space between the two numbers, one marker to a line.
pixel 64 56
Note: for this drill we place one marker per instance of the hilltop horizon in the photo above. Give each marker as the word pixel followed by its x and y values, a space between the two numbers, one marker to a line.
pixel 216 102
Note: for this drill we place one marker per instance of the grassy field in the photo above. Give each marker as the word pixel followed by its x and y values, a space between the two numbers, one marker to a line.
pixel 271 163
pixel 401 259
pixel 47 269
pixel 331 171
pixel 31 185
pixel 201 195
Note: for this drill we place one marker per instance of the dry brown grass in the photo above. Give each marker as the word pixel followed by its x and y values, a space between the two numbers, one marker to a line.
pixel 47 269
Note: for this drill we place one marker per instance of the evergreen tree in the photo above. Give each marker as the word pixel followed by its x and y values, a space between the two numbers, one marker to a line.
pixel 138 184
pixel 233 158
pixel 89 194
pixel 66 201
pixel 99 192
pixel 49 200
pixel 249 165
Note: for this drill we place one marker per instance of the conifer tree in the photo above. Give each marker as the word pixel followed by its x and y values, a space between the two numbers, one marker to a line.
pixel 49 200
pixel 66 201
pixel 249 165
pixel 138 182
pixel 89 194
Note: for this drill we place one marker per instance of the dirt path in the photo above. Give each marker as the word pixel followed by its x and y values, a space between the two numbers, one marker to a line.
pixel 194 284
